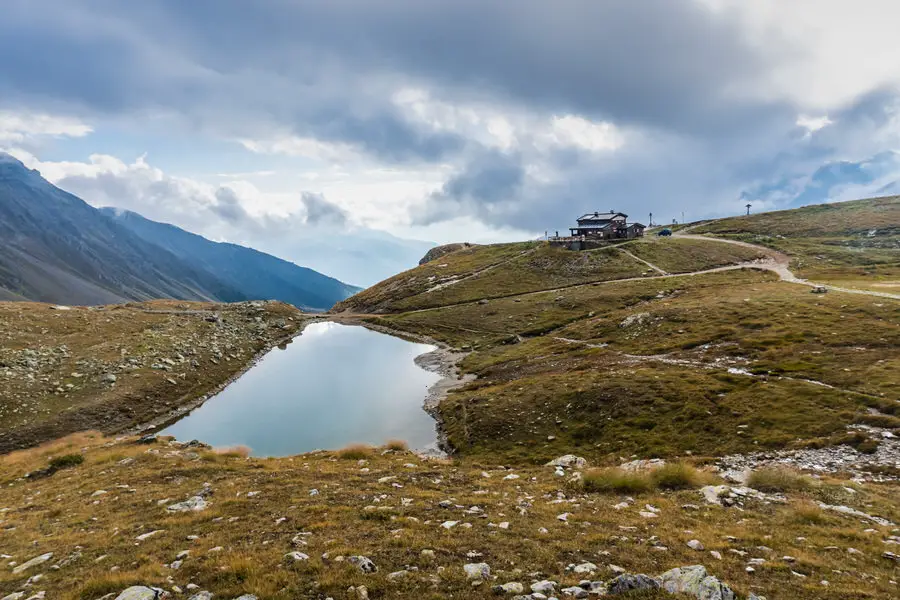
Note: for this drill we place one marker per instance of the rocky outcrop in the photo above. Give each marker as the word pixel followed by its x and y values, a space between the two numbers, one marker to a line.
pixel 439 251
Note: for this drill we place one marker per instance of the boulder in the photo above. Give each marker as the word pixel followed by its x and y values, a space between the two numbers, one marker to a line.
pixel 192 504
pixel 695 581
pixel 37 560
pixel 140 592
pixel 512 587
pixel 477 571
pixel 364 563
pixel 628 582
pixel 568 461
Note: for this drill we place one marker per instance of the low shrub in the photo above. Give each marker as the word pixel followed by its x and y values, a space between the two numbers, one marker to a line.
pixel 676 476
pixel 396 445
pixel 65 461
pixel 778 479
pixel 233 451
pixel 355 452
pixel 617 480
pixel 808 512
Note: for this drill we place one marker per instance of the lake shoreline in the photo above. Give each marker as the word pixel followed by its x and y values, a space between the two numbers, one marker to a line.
pixel 443 360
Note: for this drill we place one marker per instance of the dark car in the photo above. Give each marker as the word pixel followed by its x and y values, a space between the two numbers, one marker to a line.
pixel 665 232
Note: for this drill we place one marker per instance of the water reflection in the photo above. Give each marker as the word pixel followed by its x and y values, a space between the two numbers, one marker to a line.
pixel 334 385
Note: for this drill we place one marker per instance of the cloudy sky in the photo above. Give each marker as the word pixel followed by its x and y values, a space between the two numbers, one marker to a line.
pixel 280 123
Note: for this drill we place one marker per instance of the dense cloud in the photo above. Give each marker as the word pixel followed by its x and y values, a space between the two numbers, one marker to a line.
pixel 535 111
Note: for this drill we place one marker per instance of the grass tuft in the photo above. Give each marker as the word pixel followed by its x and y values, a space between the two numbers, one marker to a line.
pixel 614 479
pixel 676 476
pixel 233 451
pixel 778 479
pixel 356 452
pixel 397 445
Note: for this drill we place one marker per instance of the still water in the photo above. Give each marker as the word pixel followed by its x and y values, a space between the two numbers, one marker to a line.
pixel 333 385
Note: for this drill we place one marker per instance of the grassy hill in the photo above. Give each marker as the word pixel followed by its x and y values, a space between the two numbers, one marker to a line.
pixel 853 243
pixel 611 352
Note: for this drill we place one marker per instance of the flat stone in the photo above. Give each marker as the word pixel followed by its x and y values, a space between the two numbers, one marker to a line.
pixel 139 592
pixel 37 560
pixel 192 504
pixel 477 571
pixel 627 583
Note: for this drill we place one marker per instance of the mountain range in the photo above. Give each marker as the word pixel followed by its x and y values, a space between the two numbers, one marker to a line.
pixel 54 247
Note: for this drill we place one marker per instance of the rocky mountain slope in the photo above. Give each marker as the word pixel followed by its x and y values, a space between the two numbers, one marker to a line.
pixel 254 273
pixel 54 247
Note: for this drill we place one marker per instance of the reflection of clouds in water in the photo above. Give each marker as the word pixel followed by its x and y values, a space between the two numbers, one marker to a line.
pixel 339 385
pixel 319 328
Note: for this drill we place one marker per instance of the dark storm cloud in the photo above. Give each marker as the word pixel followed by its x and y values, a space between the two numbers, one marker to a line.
pixel 327 68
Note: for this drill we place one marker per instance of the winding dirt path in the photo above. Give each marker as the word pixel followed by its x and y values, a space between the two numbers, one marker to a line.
pixel 639 259
pixel 780 264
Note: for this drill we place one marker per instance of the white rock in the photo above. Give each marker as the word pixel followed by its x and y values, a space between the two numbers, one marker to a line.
pixel 148 535
pixel 37 560
pixel 138 592
pixel 584 568
pixel 568 461
pixel 477 571
pixel 695 545
pixel 193 504
pixel 543 587
pixel 296 557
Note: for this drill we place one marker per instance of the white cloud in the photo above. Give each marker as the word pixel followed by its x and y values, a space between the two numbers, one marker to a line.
pixel 834 50
pixel 17 127
pixel 575 131
pixel 813 124
pixel 306 147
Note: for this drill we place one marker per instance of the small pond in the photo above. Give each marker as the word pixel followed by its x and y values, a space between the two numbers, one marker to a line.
pixel 332 386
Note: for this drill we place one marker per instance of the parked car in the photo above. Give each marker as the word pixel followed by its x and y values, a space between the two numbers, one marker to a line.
pixel 664 232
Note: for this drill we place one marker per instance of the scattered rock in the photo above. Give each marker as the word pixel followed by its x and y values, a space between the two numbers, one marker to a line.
pixel 512 587
pixel 695 581
pixel 364 563
pixel 296 557
pixel 140 592
pixel 192 504
pixel 695 545
pixel 568 461
pixel 37 560
pixel 477 571
pixel 627 583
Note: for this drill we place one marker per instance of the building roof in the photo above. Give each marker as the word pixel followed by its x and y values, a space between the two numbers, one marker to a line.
pixel 604 225
pixel 598 216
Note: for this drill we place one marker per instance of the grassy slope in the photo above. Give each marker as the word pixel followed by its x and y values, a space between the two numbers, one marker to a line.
pixel 53 362
pixel 354 513
pixel 713 363
pixel 854 242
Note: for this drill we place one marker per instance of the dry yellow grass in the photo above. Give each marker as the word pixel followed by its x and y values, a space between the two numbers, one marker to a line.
pixel 359 509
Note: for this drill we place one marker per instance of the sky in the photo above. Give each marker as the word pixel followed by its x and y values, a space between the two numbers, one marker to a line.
pixel 289 124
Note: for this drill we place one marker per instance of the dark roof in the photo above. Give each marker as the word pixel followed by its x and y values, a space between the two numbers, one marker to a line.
pixel 598 216
pixel 603 225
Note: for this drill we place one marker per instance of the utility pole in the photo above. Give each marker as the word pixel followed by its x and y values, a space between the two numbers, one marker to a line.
pixel 682 217
pixel 651 220
pixel 748 208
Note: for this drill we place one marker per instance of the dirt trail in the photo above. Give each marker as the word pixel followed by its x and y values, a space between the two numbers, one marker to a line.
pixel 479 272
pixel 639 259
pixel 780 264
